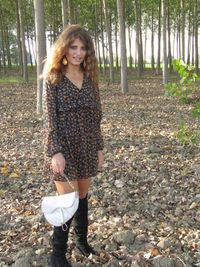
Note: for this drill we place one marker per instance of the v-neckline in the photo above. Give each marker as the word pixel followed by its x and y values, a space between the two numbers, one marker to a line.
pixel 75 84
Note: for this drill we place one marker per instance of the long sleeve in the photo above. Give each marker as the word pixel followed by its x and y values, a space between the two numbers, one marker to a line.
pixel 98 115
pixel 52 139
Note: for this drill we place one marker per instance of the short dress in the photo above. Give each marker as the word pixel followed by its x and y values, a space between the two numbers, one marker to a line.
pixel 72 119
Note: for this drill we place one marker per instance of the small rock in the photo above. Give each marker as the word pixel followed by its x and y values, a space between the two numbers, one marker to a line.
pixel 164 243
pixel 119 183
pixel 162 261
pixel 124 237
pixel 24 258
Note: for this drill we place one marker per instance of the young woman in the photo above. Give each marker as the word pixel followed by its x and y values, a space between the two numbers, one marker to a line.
pixel 73 140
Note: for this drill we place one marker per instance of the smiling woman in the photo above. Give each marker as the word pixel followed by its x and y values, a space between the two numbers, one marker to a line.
pixel 73 140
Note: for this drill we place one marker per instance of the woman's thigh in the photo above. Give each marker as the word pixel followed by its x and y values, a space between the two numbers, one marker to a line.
pixel 83 186
pixel 64 187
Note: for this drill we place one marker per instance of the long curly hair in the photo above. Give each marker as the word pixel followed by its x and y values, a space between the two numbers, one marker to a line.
pixel 56 68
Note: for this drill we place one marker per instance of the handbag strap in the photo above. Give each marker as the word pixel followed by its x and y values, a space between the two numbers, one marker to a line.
pixel 66 178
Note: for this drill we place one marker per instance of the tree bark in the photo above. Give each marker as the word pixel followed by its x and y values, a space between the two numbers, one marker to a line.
pixel 189 36
pixel 116 46
pixel 102 38
pixel 183 30
pixel 40 48
pixel 138 39
pixel 24 54
pixel 64 13
pixel 108 30
pixel 124 84
pixel 71 11
pixel 97 35
pixel 152 38
pixel 193 44
pixel 169 39
pixel 29 49
pixel 3 40
pixel 130 49
pixel 19 38
pixel 159 37
pixel 165 69
pixel 7 47
pixel 196 36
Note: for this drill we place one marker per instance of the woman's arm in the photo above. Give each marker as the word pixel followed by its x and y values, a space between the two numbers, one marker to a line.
pixel 52 138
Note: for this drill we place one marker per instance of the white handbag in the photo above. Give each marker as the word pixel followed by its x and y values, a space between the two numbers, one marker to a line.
pixel 58 210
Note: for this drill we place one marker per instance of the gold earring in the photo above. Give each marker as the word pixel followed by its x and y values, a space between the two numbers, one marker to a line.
pixel 64 61
pixel 84 64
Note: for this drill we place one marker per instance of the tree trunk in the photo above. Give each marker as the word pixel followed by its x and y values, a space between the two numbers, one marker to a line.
pixel 40 48
pixel 193 44
pixel 196 36
pixel 71 11
pixel 108 30
pixel 116 46
pixel 33 51
pixel 19 39
pixel 102 38
pixel 64 13
pixel 138 40
pixel 159 37
pixel 145 48
pixel 179 35
pixel 189 37
pixel 29 49
pixel 97 36
pixel 165 70
pixel 169 40
pixel 3 40
pixel 7 47
pixel 152 38
pixel 124 84
pixel 22 35
pixel 130 53
pixel 183 30
pixel 116 41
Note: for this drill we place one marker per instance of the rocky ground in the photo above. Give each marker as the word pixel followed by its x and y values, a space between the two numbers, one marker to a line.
pixel 144 203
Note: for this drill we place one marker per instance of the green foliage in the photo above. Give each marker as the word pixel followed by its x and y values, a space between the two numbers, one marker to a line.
pixel 186 87
pixel 186 135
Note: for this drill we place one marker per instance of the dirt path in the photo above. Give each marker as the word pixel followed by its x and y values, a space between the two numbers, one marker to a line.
pixel 144 204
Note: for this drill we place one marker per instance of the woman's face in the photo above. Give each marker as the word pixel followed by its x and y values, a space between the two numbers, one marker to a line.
pixel 76 53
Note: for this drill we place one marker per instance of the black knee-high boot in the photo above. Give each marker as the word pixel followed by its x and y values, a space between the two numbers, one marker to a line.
pixel 81 227
pixel 59 242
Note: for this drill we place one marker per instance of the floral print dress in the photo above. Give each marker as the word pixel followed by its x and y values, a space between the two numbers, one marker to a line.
pixel 72 118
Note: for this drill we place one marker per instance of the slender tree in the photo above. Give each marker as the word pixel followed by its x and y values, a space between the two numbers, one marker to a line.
pixel 71 11
pixel 196 35
pixel 22 35
pixel 159 37
pixel 152 37
pixel 124 84
pixel 183 29
pixel 40 48
pixel 64 13
pixel 108 30
pixel 165 69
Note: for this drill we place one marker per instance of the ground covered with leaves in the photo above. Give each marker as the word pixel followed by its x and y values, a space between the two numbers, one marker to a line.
pixel 144 203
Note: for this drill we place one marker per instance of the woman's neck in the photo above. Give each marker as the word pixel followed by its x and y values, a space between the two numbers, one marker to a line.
pixel 73 70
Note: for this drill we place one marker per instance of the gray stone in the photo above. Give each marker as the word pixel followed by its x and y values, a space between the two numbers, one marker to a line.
pixel 164 243
pixel 124 237
pixel 162 261
pixel 24 258
pixel 112 263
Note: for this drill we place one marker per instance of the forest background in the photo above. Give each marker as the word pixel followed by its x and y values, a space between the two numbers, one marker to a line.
pixel 148 211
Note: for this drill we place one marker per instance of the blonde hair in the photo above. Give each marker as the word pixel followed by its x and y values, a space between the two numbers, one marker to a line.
pixel 66 38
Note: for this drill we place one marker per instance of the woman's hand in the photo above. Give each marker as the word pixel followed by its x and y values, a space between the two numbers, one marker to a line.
pixel 58 163
pixel 100 159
